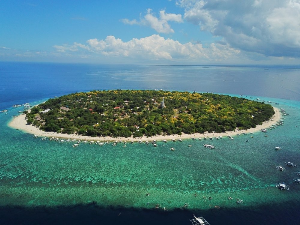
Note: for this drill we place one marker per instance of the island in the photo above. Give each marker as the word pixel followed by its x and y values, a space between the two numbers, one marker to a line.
pixel 146 113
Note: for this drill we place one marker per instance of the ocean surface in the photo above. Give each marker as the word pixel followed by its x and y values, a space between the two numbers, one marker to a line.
pixel 44 181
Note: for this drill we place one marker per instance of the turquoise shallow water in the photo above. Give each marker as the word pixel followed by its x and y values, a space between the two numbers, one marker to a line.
pixel 35 171
pixel 40 181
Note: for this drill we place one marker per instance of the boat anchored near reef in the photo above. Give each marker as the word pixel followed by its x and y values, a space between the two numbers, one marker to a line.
pixel 290 164
pixel 280 168
pixel 297 181
pixel 282 186
pixel 209 146
pixel 199 221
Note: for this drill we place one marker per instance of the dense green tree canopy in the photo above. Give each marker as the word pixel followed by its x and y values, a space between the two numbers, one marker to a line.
pixel 125 113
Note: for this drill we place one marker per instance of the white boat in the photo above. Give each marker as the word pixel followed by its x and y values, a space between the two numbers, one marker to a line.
pixel 209 146
pixel 297 181
pixel 239 201
pixel 199 221
pixel 282 186
pixel 26 106
pixel 277 148
pixel 280 168
pixel 290 164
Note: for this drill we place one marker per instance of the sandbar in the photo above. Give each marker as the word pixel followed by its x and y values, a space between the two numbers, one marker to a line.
pixel 19 122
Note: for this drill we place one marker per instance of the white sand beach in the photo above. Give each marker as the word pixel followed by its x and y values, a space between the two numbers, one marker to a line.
pixel 20 123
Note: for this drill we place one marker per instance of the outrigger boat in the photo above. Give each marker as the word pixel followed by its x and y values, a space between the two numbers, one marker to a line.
pixel 290 164
pixel 280 168
pixel 199 221
pixel 282 186
pixel 297 181
pixel 209 146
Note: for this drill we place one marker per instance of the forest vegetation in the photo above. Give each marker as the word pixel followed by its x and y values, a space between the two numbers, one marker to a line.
pixel 137 113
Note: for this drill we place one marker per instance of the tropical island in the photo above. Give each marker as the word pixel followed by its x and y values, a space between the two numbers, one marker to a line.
pixel 146 113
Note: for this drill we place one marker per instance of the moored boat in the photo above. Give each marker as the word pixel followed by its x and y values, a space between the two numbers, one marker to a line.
pixel 282 186
pixel 199 221
pixel 297 180
pixel 290 164
pixel 280 168
pixel 209 146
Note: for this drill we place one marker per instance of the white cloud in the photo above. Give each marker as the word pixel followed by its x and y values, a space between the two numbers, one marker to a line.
pixel 170 16
pixel 130 22
pixel 72 48
pixel 269 27
pixel 154 48
pixel 160 24
pixel 5 48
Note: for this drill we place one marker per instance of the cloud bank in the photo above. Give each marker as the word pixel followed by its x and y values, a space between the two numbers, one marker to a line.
pixel 248 31
pixel 268 27
pixel 160 24
pixel 153 47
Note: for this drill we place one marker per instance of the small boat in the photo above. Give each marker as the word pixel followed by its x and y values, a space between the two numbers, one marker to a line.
pixel 239 201
pixel 290 164
pixel 172 149
pixel 297 181
pixel 209 146
pixel 199 221
pixel 277 148
pixel 280 168
pixel 282 186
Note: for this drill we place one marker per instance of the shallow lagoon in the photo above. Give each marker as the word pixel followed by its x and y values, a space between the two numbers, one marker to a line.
pixel 45 181
pixel 38 171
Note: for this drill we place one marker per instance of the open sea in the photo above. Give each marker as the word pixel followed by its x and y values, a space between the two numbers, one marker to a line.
pixel 49 182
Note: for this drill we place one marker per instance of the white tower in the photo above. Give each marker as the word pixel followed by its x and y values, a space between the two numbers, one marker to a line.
pixel 162 104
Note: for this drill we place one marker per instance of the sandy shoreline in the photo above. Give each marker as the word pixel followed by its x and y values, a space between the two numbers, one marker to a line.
pixel 20 123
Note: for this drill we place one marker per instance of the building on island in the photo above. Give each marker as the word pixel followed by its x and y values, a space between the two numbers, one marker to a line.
pixel 162 104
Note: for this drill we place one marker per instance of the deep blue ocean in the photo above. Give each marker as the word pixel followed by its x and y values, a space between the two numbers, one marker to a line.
pixel 29 169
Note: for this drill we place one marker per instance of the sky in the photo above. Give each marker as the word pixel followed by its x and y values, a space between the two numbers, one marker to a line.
pixel 151 32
